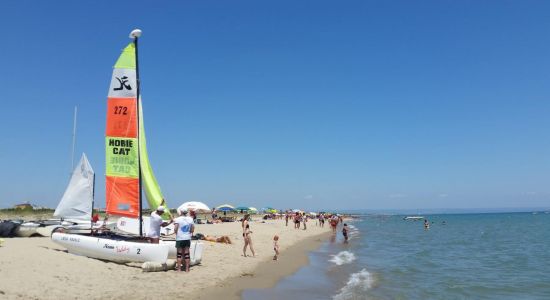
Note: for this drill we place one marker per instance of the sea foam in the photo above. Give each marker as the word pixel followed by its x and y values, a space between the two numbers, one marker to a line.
pixel 342 258
pixel 357 285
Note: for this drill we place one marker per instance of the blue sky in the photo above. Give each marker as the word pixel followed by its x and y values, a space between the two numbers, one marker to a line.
pixel 313 104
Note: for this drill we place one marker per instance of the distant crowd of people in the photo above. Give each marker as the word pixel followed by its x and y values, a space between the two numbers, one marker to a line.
pixel 184 228
pixel 299 218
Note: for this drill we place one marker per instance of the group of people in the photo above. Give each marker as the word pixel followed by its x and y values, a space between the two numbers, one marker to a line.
pixel 302 218
pixel 298 218
pixel 184 228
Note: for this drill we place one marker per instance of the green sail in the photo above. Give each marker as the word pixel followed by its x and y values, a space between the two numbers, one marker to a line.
pixel 127 60
pixel 149 182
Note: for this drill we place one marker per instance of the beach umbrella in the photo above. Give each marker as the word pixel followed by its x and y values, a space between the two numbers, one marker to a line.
pixel 195 206
pixel 270 210
pixel 296 211
pixel 225 207
pixel 244 208
pixel 253 209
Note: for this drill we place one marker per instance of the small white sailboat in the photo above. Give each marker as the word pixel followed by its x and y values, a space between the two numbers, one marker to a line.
pixel 74 210
pixel 127 165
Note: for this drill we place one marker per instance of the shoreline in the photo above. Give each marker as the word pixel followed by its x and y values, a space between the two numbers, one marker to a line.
pixel 49 272
pixel 268 273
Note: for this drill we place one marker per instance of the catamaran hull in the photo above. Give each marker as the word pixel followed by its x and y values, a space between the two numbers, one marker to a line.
pixel 27 229
pixel 112 250
pixel 131 226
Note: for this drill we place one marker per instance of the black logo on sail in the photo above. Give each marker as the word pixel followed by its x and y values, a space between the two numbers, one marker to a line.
pixel 123 84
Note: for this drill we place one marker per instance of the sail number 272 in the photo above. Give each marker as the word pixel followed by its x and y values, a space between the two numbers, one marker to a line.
pixel 121 110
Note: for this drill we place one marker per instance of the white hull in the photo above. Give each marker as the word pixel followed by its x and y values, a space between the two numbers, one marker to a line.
pixel 110 249
pixel 27 229
pixel 123 251
pixel 130 225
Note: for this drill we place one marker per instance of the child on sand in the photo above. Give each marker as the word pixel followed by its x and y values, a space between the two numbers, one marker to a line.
pixel 276 247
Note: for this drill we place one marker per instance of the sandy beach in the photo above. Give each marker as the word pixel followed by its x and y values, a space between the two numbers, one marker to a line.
pixel 36 268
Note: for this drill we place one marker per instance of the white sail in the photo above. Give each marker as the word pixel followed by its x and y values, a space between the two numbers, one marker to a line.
pixel 79 195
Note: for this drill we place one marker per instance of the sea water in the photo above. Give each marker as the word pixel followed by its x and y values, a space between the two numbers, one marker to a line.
pixel 467 256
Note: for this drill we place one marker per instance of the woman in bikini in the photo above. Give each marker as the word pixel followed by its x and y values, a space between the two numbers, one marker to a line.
pixel 247 235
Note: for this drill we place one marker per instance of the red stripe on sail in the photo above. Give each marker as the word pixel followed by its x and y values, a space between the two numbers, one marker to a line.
pixel 121 117
pixel 122 196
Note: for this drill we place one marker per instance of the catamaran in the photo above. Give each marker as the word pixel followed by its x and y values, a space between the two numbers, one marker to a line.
pixel 128 172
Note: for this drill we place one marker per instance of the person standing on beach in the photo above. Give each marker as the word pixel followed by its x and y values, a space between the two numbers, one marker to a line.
pixel 333 223
pixel 286 218
pixel 155 223
pixel 184 229
pixel 276 247
pixel 322 220
pixel 193 215
pixel 247 235
pixel 304 218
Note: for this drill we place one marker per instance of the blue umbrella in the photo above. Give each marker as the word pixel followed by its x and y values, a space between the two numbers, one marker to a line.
pixel 225 207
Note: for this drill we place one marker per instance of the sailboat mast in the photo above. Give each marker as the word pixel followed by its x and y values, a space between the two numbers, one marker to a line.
pixel 93 200
pixel 135 34
pixel 74 139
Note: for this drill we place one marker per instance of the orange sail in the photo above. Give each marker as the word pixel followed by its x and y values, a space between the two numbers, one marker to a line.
pixel 121 138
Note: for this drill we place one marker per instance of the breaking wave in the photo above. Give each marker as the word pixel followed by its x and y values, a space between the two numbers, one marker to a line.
pixel 342 258
pixel 356 287
pixel 353 233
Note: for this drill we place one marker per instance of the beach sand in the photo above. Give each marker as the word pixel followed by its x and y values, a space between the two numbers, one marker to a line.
pixel 36 268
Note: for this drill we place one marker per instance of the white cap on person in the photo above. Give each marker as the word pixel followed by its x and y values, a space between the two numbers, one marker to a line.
pixel 160 208
pixel 182 211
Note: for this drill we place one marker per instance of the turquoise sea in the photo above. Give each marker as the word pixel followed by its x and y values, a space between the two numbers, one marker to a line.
pixel 461 256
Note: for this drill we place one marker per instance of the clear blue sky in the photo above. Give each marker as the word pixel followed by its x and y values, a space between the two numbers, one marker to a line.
pixel 314 104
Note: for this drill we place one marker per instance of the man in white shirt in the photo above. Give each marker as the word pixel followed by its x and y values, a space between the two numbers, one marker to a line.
pixel 184 229
pixel 155 223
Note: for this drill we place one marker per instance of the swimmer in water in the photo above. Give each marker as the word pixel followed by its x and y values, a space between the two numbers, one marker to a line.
pixel 345 233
